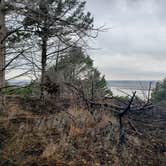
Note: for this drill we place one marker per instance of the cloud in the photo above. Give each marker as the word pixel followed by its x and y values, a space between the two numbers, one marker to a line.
pixel 135 44
pixel 137 67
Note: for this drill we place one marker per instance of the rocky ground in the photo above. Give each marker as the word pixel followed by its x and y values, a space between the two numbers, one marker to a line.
pixel 33 133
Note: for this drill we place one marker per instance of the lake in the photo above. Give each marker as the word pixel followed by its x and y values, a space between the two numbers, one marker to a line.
pixel 118 87
pixel 125 87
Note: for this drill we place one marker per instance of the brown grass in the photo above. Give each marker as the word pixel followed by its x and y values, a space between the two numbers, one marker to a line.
pixel 72 137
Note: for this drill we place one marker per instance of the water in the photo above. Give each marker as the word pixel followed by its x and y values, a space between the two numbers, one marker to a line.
pixel 19 82
pixel 118 87
pixel 123 88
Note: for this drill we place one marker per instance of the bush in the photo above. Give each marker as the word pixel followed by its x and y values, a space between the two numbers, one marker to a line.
pixel 159 94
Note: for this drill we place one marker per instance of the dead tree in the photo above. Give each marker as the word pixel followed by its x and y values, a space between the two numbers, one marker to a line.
pixel 121 115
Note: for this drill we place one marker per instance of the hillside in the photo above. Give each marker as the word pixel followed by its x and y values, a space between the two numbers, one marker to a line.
pixel 67 134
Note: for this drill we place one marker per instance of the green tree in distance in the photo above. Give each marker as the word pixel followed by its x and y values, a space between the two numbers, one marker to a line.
pixel 77 68
pixel 159 94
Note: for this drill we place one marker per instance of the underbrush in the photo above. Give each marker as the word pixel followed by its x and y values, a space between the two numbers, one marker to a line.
pixel 72 137
pixel 24 91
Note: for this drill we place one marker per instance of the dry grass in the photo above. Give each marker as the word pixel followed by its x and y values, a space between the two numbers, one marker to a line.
pixel 73 138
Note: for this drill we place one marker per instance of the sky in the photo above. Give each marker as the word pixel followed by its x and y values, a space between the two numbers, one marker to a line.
pixel 134 45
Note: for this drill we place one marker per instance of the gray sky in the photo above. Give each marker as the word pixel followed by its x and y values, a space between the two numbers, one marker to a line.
pixel 135 46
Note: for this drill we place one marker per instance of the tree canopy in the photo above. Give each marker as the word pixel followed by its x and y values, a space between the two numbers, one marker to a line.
pixel 38 30
pixel 77 68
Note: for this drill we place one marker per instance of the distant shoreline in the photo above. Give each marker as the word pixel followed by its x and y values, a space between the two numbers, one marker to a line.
pixel 132 84
pixel 123 87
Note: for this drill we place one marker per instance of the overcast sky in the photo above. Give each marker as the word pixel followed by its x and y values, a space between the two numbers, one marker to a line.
pixel 135 45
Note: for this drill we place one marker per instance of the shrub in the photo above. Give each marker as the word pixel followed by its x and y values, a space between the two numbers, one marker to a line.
pixel 159 94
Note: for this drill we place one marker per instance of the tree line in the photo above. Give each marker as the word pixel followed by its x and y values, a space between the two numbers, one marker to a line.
pixel 40 37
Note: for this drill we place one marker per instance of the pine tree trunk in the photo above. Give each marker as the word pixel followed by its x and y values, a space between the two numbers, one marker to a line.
pixel 2 44
pixel 2 53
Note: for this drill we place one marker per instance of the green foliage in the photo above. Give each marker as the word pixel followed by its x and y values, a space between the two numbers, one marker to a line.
pixel 77 68
pixel 25 91
pixel 128 98
pixel 99 87
pixel 159 94
pixel 2 114
pixel 74 65
pixel 56 22
pixel 122 98
pixel 57 18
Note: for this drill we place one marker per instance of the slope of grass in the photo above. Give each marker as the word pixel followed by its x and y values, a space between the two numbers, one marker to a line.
pixel 72 137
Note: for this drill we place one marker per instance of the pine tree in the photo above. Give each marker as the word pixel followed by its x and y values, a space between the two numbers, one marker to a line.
pixel 54 21
pixel 77 68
